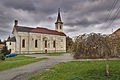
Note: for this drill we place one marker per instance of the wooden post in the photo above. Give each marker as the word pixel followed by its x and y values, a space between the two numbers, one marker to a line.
pixel 107 65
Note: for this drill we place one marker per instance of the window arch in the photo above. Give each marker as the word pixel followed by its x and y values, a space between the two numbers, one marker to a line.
pixel 10 43
pixel 56 27
pixel 54 44
pixel 23 43
pixel 36 43
pixel 10 50
pixel 60 26
pixel 45 43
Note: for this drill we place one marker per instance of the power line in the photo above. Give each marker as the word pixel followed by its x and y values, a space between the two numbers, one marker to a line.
pixel 117 13
pixel 110 10
pixel 108 21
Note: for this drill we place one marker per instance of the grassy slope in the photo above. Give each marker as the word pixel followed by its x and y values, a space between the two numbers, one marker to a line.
pixel 4 65
pixel 18 58
pixel 82 70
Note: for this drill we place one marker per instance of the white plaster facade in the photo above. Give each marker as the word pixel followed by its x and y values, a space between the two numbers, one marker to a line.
pixel 16 47
pixel 11 46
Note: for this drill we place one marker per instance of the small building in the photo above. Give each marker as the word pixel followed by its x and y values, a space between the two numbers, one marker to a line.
pixel 117 32
pixel 1 46
pixel 37 40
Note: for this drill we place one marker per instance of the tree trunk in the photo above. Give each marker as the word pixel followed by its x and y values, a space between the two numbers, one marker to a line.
pixel 107 66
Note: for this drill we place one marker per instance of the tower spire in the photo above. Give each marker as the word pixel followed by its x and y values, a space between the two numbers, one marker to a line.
pixel 59 23
pixel 59 17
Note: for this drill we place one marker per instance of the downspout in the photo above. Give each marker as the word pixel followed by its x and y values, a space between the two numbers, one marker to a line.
pixel 28 42
pixel 20 45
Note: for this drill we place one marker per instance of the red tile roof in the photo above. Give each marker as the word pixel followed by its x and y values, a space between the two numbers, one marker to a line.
pixel 1 45
pixel 47 31
pixel 117 31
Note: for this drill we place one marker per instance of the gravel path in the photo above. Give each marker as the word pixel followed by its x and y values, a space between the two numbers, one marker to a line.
pixel 26 71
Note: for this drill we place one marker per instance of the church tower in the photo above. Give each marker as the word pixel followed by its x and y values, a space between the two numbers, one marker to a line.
pixel 59 23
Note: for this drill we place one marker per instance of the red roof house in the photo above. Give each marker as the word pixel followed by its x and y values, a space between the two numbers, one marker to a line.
pixel 1 46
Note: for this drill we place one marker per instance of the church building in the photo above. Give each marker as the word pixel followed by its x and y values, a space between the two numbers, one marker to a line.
pixel 37 40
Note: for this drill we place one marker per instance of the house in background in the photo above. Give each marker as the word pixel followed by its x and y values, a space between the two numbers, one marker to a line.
pixel 37 40
pixel 1 46
pixel 117 31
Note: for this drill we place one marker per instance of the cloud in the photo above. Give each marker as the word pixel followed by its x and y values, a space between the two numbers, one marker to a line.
pixel 20 4
pixel 79 16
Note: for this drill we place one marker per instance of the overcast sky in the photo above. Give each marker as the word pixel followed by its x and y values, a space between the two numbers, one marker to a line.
pixel 79 16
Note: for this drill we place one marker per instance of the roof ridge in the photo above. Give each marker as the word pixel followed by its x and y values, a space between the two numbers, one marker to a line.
pixel 39 30
pixel 47 29
pixel 25 26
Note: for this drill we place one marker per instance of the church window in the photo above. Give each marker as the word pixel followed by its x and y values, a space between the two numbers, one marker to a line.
pixel 36 42
pixel 10 43
pixel 23 43
pixel 54 44
pixel 45 43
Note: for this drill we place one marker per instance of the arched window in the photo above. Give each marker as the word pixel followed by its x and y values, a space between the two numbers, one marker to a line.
pixel 56 27
pixel 10 50
pixel 23 43
pixel 54 44
pixel 10 43
pixel 45 43
pixel 60 27
pixel 36 42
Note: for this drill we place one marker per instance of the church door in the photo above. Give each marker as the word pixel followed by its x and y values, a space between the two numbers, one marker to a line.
pixel 45 50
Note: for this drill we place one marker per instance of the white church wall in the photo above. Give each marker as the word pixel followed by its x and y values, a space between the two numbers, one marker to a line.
pixel 30 43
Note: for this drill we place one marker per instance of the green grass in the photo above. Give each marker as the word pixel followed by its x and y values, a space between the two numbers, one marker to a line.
pixel 48 54
pixel 81 70
pixel 37 76
pixel 19 57
pixel 4 65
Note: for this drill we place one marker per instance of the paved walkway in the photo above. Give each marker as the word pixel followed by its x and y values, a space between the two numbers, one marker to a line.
pixel 24 72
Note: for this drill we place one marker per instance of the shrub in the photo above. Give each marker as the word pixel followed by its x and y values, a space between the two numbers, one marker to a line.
pixel 5 51
pixel 96 46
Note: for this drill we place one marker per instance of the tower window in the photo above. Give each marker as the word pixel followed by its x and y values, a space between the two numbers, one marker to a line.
pixel 60 27
pixel 45 43
pixel 56 27
pixel 54 44
pixel 36 42
pixel 23 43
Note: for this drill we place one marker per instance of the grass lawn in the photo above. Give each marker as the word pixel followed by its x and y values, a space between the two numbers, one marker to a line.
pixel 48 54
pixel 19 57
pixel 81 70
pixel 4 65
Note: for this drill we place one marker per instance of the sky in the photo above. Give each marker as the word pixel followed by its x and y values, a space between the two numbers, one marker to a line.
pixel 78 16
